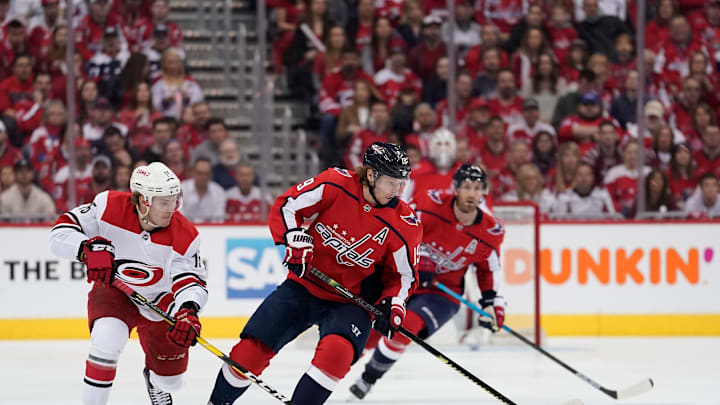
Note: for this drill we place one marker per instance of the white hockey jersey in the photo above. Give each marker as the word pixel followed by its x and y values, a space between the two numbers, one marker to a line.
pixel 163 265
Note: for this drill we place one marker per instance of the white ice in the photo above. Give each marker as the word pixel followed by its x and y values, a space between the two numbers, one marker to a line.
pixel 685 371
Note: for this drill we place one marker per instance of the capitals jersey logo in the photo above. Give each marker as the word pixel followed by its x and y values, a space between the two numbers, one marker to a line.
pixel 410 219
pixel 348 251
pixel 445 260
pixel 138 274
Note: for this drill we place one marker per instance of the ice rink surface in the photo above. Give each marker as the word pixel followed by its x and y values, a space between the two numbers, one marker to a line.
pixel 685 371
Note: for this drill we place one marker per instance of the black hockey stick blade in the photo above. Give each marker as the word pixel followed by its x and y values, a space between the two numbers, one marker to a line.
pixel 141 300
pixel 631 391
pixel 439 355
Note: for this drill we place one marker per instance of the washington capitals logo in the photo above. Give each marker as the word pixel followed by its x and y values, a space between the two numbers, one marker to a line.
pixel 497 229
pixel 410 219
pixel 348 251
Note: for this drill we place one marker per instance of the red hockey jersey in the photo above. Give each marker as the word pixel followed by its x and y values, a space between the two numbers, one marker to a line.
pixel 352 239
pixel 453 247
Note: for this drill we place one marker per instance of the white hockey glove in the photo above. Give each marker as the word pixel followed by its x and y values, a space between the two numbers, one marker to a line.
pixel 494 305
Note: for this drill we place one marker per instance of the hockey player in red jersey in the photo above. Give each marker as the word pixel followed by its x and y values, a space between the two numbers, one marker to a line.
pixel 456 234
pixel 364 237
pixel 139 238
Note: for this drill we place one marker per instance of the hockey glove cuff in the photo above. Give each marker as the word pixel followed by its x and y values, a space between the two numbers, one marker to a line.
pixel 187 326
pixel 98 254
pixel 298 250
pixel 393 313
pixel 494 305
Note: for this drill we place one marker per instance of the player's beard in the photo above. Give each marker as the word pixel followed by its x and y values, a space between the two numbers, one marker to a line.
pixel 467 205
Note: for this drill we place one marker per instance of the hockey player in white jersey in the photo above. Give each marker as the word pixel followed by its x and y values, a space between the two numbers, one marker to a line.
pixel 140 238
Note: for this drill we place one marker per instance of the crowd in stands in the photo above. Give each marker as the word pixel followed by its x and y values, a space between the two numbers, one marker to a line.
pixel 134 103
pixel 546 94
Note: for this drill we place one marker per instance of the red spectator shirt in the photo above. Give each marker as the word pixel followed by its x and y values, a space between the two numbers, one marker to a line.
pixel 521 130
pixel 449 247
pixel 503 182
pixel 337 92
pixel 13 92
pixel 9 155
pixel 359 144
pixel 671 58
pixel 422 60
pixel 391 9
pixel 560 40
pixel 351 238
pixel 681 117
pixel 492 162
pixel 707 164
pixel 501 13
pixel 442 110
pixel 621 183
pixel 656 33
pixel 390 84
pixel 145 29
pixel 473 60
pixel 510 112
pixel 681 188
pixel 709 33
pixel 565 133
pixel 245 208
pixel 88 34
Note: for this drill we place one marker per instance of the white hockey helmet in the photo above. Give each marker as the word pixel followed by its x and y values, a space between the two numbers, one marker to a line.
pixel 155 180
pixel 442 148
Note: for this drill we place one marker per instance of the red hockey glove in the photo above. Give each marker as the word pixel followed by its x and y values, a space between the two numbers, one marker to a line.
pixel 392 317
pixel 187 326
pixel 298 250
pixel 494 305
pixel 98 254
pixel 426 272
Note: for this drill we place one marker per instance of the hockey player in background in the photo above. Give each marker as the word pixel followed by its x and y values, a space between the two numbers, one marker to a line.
pixel 139 238
pixel 361 235
pixel 456 234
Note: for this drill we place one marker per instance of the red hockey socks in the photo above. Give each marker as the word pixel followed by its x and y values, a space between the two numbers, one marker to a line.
pixel 229 384
pixel 333 356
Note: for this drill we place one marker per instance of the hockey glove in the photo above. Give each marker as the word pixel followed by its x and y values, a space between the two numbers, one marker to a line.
pixel 494 305
pixel 187 326
pixel 392 317
pixel 298 250
pixel 98 254
pixel 426 272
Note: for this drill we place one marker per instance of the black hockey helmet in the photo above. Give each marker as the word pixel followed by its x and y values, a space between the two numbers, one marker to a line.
pixel 387 159
pixel 468 172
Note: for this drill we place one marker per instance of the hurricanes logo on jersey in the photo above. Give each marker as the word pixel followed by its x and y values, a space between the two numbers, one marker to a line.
pixel 348 251
pixel 138 274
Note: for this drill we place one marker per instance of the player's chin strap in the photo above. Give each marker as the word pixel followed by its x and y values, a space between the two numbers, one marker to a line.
pixel 371 187
pixel 145 217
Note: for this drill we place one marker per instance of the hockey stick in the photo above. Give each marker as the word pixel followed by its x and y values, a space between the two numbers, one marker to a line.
pixel 376 312
pixel 139 299
pixel 639 388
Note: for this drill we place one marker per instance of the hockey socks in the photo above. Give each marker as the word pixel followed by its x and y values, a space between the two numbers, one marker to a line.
pixel 333 356
pixel 107 340
pixel 384 356
pixel 230 385
pixel 225 392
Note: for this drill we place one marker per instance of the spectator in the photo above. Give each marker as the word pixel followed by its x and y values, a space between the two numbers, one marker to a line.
pixel 402 113
pixel 525 59
pixel 583 127
pixel 18 87
pixel 424 125
pixel 708 158
pixel 707 26
pixel 606 153
pixel 396 76
pixel 107 64
pixel 328 61
pixel 657 192
pixel 414 155
pixel 544 152
pixel 88 95
pixel 435 88
pixel 139 116
pixel 50 57
pixel 506 179
pixel 383 43
pixel 245 200
pixel 685 103
pixel 673 54
pixel 302 52
pixel 567 105
pixel 705 202
pixel 203 199
pixel 561 32
pixel 422 59
pixel 41 26
pixel 194 133
pixel 154 52
pixel 355 117
pixel 622 107
pixel 210 148
pixel 463 90
pixel 681 176
pixel 15 44
pixel 656 30
pixel 174 90
pixel 159 10
pixel 121 178
pixel 91 28
pixel 8 153
pixel 115 146
pixel 134 13
pixel 485 82
pixel 83 174
pixel 410 27
pixel 492 153
pixel 654 120
pixel 29 112
pixel 360 29
pixel 702 117
pixel 663 142
pixel 46 139
pixel 466 31
pixel 503 15
pixel 600 65
pixel 24 198
pixel 563 175
pixel 533 19
pixel 100 180
pixel 527 127
pixel 287 14
pixel 378 131
pixel 621 180
pixel 7 177
pixel 598 29
pixel 175 158
pixel 161 134
pixel 584 198
pixel 490 38
pixel 704 72
pixel 546 85
pixel 575 62
pixel 476 123
pixel 101 117
pixel 223 173
pixel 530 188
